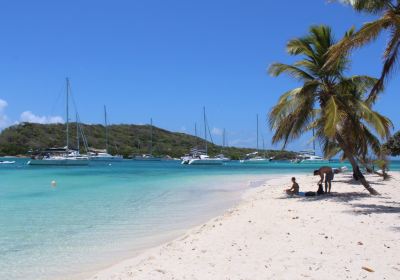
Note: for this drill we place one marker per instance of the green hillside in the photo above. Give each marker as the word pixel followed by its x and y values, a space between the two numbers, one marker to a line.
pixel 124 139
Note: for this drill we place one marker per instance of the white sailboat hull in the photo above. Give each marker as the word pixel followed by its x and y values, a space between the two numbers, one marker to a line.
pixel 254 161
pixel 209 161
pixel 148 159
pixel 7 162
pixel 308 161
pixel 106 158
pixel 59 162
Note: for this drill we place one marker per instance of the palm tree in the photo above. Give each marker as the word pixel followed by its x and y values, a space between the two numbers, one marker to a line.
pixel 333 105
pixel 389 20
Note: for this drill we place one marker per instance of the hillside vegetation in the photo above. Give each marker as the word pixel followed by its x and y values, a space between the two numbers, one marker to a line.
pixel 124 139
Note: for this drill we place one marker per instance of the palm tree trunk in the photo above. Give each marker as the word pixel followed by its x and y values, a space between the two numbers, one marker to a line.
pixel 370 169
pixel 357 174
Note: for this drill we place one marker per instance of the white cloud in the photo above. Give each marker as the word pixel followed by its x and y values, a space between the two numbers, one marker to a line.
pixel 346 2
pixel 217 131
pixel 30 117
pixel 4 121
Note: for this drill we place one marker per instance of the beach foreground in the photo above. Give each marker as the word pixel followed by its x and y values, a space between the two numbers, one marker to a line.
pixel 346 235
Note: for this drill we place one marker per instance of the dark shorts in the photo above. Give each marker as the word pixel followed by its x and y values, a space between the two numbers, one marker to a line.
pixel 329 176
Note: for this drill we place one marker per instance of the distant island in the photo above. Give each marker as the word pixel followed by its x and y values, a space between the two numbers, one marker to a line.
pixel 124 139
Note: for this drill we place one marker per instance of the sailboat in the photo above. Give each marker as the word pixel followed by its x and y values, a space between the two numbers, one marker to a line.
pixel 254 157
pixel 221 155
pixel 309 156
pixel 200 157
pixel 149 156
pixel 103 155
pixel 61 156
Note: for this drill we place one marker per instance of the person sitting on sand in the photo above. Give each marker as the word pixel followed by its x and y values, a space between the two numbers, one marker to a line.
pixel 327 172
pixel 294 189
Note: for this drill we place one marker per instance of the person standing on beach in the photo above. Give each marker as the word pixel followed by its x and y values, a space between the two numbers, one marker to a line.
pixel 327 173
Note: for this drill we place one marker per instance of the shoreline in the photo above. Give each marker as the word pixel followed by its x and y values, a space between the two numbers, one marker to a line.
pixel 304 238
pixel 233 192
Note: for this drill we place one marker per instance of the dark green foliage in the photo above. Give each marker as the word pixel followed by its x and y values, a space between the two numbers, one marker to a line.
pixel 124 139
pixel 392 146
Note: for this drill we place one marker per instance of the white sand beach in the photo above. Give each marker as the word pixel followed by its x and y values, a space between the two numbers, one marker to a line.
pixel 346 235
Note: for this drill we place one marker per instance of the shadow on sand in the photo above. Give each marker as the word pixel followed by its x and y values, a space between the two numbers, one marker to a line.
pixel 385 206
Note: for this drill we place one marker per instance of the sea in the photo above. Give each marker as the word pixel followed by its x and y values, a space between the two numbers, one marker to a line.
pixel 69 222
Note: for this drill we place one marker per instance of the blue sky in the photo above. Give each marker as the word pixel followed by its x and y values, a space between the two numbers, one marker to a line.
pixel 165 60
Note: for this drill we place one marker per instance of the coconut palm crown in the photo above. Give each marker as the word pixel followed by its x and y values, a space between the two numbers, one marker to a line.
pixel 334 105
pixel 389 20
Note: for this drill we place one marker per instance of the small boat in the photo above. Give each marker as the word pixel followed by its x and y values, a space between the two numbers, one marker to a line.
pixel 147 157
pixel 205 160
pixel 61 156
pixel 103 155
pixel 7 161
pixel 222 157
pixel 254 158
pixel 198 156
pixel 309 157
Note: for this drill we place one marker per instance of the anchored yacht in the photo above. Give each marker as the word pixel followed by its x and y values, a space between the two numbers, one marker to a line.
pixel 61 156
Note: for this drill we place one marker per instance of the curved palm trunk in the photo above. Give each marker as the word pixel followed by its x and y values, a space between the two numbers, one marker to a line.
pixel 359 176
pixel 356 169
pixel 370 169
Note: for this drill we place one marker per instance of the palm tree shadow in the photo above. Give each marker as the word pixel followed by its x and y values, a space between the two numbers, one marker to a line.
pixel 396 228
pixel 336 197
pixel 351 181
pixel 385 206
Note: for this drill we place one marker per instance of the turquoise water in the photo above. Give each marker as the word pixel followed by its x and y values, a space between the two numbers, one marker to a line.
pixel 100 214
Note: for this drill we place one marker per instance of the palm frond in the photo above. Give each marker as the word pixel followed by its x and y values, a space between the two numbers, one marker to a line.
pixel 367 33
pixel 333 115
pixel 369 6
pixel 277 69
pixel 381 124
pixel 391 58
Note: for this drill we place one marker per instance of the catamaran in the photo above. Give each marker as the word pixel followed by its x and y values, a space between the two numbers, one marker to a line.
pixel 61 156
pixel 254 157
pixel 148 157
pixel 200 157
pixel 309 157
pixel 103 155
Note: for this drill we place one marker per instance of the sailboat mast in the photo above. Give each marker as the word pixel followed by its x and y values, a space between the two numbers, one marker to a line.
pixel 151 136
pixel 205 128
pixel 313 135
pixel 223 139
pixel 263 145
pixel 106 127
pixel 257 132
pixel 67 113
pixel 77 133
pixel 195 131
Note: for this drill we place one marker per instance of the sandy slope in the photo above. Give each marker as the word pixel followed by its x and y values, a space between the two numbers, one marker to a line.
pixel 270 236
